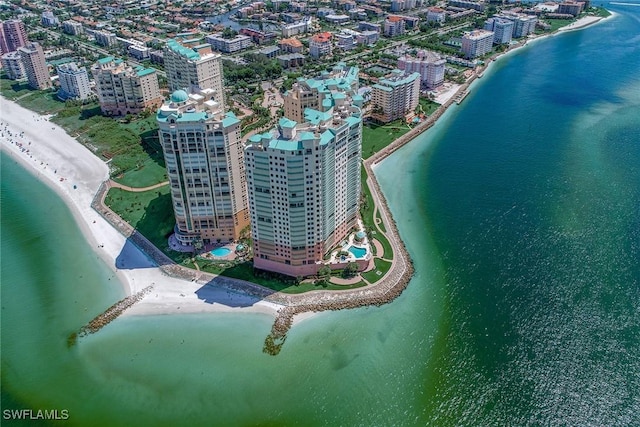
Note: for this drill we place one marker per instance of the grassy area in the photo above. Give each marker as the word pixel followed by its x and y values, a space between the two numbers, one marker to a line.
pixel 601 11
pixel 428 107
pixel 128 145
pixel 12 89
pixel 558 23
pixel 146 174
pixel 378 272
pixel 366 213
pixel 375 137
pixel 150 212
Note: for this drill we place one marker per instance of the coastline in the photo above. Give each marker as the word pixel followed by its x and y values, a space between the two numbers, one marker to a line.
pixel 84 175
pixel 76 174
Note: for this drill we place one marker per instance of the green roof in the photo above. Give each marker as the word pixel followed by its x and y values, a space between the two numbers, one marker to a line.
pixel 105 60
pixel 183 51
pixel 288 145
pixel 146 71
pixel 286 123
pixel 230 119
pixel 179 96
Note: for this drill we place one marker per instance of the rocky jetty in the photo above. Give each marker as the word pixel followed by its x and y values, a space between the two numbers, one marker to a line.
pixel 108 316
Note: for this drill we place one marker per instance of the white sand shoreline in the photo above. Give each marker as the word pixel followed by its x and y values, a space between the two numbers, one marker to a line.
pixel 50 154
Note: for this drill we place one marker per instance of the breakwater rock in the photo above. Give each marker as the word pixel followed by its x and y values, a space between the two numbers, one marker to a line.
pixel 108 316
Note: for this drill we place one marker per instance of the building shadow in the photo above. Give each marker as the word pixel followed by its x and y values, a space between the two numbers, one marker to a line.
pixel 132 257
pixel 232 292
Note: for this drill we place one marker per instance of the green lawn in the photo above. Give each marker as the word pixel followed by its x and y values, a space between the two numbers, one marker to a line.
pixel 12 89
pixel 558 23
pixel 150 212
pixel 148 173
pixel 378 272
pixel 375 137
pixel 428 107
pixel 366 213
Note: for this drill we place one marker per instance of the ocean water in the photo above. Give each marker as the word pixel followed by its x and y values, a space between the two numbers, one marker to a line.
pixel 521 210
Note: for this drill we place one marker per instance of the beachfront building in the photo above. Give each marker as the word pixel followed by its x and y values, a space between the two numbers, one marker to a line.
pixel 571 7
pixel 320 45
pixel 35 66
pixel 74 82
pixel 429 65
pixel 477 43
pixel 303 184
pixel 393 26
pixel 204 160
pixel 312 93
pixel 12 65
pixel 523 25
pixel 12 36
pixel 395 96
pixel 502 29
pixel 191 65
pixel 123 89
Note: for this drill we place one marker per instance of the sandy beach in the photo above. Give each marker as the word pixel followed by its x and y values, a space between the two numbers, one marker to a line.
pixel 75 174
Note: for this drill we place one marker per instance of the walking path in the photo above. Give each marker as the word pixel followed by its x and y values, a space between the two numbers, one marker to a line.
pixel 113 184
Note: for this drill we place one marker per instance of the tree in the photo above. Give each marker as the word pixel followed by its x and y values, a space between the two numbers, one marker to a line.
pixel 350 270
pixel 229 33
pixel 324 273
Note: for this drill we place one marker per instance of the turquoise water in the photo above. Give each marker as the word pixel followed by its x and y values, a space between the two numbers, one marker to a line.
pixel 220 252
pixel 357 252
pixel 521 210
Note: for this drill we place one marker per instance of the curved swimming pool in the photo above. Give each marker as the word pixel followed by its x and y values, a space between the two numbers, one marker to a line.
pixel 221 252
pixel 357 252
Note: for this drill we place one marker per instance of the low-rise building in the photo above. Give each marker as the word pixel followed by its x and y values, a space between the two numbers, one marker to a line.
pixel 49 19
pixel 368 37
pixel 467 4
pixel 320 45
pixel 72 27
pixel 231 45
pixel 291 60
pixel 394 26
pixel 436 14
pixel 139 52
pixel 290 45
pixel 105 38
pixel 346 41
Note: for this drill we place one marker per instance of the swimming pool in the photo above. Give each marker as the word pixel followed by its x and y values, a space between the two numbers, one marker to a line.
pixel 358 252
pixel 221 252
